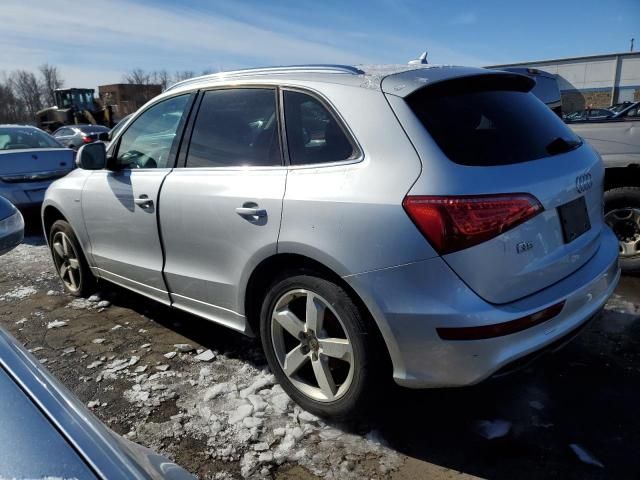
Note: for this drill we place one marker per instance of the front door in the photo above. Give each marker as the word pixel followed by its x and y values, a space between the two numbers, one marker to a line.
pixel 120 204
pixel 220 213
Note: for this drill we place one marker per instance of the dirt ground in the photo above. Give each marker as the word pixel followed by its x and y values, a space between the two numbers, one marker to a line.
pixel 572 415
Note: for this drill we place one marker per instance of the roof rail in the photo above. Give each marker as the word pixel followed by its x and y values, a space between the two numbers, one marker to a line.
pixel 319 68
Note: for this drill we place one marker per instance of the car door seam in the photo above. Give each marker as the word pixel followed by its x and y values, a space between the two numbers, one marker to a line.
pixel 84 222
pixel 161 239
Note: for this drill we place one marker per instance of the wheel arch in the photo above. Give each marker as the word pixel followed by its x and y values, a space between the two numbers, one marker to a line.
pixel 51 214
pixel 269 269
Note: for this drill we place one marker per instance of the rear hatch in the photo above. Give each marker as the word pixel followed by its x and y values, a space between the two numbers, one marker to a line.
pixel 508 195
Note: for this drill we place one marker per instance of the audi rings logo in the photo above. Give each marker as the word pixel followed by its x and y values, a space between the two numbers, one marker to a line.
pixel 584 182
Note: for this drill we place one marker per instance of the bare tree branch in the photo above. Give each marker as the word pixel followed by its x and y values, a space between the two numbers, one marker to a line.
pixel 26 88
pixel 50 82
pixel 137 76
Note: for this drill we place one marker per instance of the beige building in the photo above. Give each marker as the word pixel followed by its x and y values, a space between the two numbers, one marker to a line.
pixel 592 81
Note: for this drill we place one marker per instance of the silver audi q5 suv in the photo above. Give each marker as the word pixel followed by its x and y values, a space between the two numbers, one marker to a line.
pixel 434 224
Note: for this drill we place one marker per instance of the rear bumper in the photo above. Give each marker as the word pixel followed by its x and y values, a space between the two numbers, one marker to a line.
pixel 409 302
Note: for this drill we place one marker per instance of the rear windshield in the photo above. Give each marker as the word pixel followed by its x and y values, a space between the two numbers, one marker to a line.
pixel 25 138
pixel 488 121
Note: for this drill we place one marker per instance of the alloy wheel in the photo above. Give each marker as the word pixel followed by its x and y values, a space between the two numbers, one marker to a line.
pixel 312 345
pixel 66 260
pixel 625 223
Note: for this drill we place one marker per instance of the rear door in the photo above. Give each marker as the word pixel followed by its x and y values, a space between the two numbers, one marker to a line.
pixel 120 204
pixel 492 137
pixel 220 212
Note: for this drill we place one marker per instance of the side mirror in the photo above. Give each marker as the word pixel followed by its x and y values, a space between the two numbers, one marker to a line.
pixel 104 136
pixel 92 156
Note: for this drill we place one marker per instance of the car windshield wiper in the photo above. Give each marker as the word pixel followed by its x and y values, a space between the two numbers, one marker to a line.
pixel 561 145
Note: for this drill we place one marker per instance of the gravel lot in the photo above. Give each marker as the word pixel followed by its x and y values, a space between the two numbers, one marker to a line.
pixel 220 415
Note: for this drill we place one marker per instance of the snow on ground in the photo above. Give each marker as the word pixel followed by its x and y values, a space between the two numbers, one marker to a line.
pixel 19 293
pixel 182 399
pixel 242 415
pixel 619 304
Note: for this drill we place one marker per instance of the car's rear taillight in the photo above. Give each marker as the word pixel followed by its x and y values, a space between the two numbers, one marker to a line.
pixel 87 139
pixel 457 222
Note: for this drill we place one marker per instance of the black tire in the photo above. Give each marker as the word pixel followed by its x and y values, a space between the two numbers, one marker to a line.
pixel 369 369
pixel 86 281
pixel 621 198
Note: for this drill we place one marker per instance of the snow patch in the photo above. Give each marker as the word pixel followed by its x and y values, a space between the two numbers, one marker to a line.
pixel 205 356
pixel 56 324
pixel 19 293
pixel 585 456
pixel 243 416
pixel 491 429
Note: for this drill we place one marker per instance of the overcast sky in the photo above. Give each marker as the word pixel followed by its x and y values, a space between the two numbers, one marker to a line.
pixel 95 42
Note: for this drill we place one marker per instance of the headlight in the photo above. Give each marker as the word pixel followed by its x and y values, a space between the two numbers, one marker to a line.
pixel 11 232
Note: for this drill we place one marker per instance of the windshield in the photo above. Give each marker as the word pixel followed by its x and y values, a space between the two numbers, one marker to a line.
pixel 618 107
pixel 482 123
pixel 82 100
pixel 26 138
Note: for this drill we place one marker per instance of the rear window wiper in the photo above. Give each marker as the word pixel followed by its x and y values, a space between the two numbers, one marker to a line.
pixel 561 145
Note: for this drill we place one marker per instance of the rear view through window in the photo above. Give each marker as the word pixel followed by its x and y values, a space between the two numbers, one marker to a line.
pixel 487 121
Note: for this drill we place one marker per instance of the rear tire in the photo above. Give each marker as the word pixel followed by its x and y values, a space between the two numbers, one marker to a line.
pixel 331 371
pixel 622 214
pixel 69 260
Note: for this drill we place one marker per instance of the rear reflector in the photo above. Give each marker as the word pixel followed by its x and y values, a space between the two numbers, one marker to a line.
pixel 500 329
pixel 454 223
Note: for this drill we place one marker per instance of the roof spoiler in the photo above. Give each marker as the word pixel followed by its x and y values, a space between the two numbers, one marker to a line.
pixel 405 83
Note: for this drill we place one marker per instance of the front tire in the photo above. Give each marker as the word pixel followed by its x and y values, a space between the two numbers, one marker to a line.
pixel 68 258
pixel 320 345
pixel 622 214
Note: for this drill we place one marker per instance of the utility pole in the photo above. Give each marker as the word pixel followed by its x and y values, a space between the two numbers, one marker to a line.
pixel 632 41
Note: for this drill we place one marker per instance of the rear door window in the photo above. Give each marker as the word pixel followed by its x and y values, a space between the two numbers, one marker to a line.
pixel 488 121
pixel 234 128
pixel 313 133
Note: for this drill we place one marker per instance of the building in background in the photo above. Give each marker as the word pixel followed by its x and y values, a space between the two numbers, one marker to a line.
pixel 592 81
pixel 126 98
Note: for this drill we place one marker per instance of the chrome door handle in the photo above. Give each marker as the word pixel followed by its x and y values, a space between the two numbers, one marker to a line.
pixel 143 201
pixel 251 212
